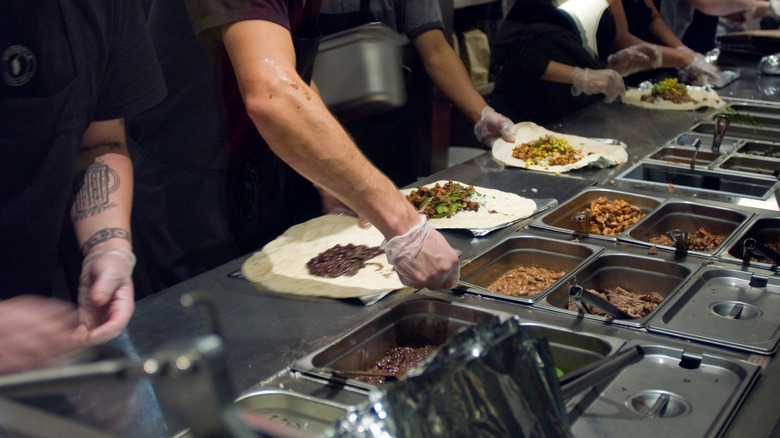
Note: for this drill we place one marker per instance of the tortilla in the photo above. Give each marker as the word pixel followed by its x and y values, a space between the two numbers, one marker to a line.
pixel 497 208
pixel 594 153
pixel 281 265
pixel 701 98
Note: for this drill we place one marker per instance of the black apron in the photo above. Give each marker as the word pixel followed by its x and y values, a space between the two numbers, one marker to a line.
pixel 39 163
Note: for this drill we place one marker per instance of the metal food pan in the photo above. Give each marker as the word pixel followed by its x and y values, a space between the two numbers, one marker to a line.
pixel 561 218
pixel 699 180
pixel 725 307
pixel 689 217
pixel 762 228
pixel 420 322
pixel 636 274
pixel 302 413
pixel 525 250
pixel 687 139
pixel 667 393
pixel 755 148
pixel 739 131
pixel 759 166
pixel 754 108
pixel 679 155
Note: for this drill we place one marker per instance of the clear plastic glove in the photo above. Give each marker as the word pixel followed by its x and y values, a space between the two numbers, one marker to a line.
pixel 37 332
pixel 699 72
pixel 605 81
pixel 640 57
pixel 493 126
pixel 106 300
pixel 423 258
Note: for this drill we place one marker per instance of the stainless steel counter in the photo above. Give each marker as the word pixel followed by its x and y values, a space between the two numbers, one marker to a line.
pixel 266 332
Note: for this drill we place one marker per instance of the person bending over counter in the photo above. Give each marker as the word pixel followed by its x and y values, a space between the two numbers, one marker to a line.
pixel 264 52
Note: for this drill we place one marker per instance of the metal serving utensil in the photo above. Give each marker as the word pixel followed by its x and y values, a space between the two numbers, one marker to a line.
pixel 581 222
pixel 352 374
pixel 582 297
pixel 598 371
pixel 696 145
pixel 680 240
pixel 722 123
pixel 752 247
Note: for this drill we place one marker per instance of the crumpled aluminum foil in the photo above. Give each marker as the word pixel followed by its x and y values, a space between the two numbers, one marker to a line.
pixel 491 380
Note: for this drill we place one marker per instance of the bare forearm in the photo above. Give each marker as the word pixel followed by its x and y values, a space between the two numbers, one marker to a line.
pixel 299 129
pixel 103 188
pixel 557 72
pixel 449 74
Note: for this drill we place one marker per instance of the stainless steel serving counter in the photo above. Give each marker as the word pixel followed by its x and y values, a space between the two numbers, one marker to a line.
pixel 266 332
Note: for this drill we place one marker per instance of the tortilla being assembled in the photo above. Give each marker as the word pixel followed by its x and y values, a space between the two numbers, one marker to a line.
pixel 281 265
pixel 496 208
pixel 592 151
pixel 701 98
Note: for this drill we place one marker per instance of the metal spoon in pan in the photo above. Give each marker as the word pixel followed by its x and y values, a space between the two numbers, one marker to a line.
pixel 580 296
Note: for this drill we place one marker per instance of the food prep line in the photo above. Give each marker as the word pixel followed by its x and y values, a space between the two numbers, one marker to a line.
pixel 267 334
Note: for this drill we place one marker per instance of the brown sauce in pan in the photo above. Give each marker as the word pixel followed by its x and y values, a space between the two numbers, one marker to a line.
pixel 342 260
pixel 525 280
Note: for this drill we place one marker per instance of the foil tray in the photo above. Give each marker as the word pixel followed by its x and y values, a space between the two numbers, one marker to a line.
pixel 729 308
pixel 689 217
pixel 667 393
pixel 522 250
pixel 561 218
pixel 763 228
pixel 637 274
pixel 420 322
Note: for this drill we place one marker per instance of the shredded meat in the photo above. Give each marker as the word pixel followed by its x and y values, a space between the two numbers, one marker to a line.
pixel 525 280
pixel 342 260
pixel 636 305
pixel 701 240
pixel 612 218
pixel 397 361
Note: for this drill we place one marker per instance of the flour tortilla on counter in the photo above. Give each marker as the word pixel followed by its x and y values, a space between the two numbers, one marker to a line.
pixel 281 264
pixel 593 152
pixel 701 98
pixel 496 208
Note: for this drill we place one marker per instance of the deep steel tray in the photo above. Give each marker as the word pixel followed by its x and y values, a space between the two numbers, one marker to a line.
pixel 739 131
pixel 730 308
pixel 689 217
pixel 762 228
pixel 560 219
pixel 610 269
pixel 523 250
pixel 760 166
pixel 760 149
pixel 421 322
pixel 681 155
pixel 668 393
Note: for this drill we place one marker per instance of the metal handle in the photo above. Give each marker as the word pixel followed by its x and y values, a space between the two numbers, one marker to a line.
pixel 722 123
pixel 580 295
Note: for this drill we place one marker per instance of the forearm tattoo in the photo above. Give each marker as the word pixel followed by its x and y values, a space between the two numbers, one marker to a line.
pixel 92 189
pixel 104 235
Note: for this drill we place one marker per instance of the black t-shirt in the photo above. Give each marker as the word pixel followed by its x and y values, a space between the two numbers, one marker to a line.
pixel 64 64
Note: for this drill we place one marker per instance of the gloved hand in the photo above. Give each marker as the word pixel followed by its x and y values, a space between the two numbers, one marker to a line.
pixel 423 258
pixel 36 332
pixel 699 71
pixel 636 58
pixel 493 126
pixel 106 292
pixel 606 81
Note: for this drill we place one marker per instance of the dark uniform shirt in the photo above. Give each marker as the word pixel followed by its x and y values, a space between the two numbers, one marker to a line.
pixel 64 64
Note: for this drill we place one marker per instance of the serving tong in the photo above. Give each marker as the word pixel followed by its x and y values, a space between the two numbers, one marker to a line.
pixel 752 247
pixel 696 145
pixel 722 123
pixel 680 240
pixel 581 222
pixel 581 296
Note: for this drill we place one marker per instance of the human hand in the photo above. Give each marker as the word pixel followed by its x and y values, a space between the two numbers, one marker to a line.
pixel 605 81
pixel 333 205
pixel 106 293
pixel 699 71
pixel 493 126
pixel 423 258
pixel 636 58
pixel 37 332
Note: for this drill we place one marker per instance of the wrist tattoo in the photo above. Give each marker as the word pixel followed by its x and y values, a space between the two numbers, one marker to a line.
pixel 104 235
